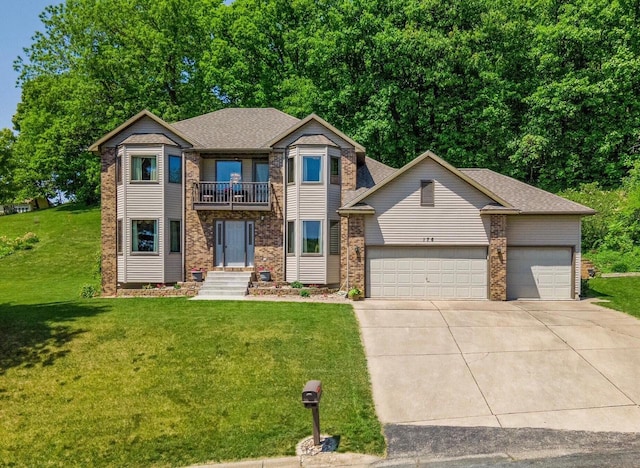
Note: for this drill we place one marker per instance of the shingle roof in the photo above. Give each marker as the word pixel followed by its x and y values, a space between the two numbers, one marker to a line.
pixel 236 128
pixel 524 197
pixel 314 140
pixel 149 138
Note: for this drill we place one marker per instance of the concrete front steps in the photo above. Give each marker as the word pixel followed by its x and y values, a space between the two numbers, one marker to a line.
pixel 224 285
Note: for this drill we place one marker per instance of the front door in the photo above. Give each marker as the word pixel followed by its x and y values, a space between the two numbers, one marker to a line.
pixel 234 243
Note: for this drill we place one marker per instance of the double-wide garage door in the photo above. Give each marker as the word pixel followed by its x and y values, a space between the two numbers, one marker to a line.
pixel 539 273
pixel 427 272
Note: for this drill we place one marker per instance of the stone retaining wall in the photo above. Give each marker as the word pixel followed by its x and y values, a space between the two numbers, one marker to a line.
pixel 187 289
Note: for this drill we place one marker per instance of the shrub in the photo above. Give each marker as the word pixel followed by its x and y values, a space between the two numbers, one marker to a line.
pixel 305 293
pixel 9 246
pixel 296 285
pixel 354 293
pixel 620 267
pixel 88 291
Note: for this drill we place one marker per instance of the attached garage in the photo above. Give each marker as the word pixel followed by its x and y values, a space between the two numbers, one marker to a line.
pixel 540 273
pixel 427 272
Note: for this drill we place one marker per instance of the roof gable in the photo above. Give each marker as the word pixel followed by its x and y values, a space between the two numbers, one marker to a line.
pixel 427 155
pixel 318 120
pixel 139 116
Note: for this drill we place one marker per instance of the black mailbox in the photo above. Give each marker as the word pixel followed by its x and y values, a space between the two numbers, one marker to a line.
pixel 311 394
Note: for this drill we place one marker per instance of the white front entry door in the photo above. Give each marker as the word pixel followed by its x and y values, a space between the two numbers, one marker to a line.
pixel 234 243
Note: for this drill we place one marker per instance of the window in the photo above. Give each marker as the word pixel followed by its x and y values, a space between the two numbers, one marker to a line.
pixel 118 169
pixel 291 171
pixel 334 237
pixel 175 235
pixel 144 168
pixel 119 236
pixel 311 168
pixel 335 170
pixel 426 193
pixel 175 169
pixel 311 237
pixel 227 170
pixel 144 235
pixel 291 237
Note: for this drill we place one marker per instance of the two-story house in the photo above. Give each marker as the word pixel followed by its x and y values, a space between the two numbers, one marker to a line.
pixel 257 189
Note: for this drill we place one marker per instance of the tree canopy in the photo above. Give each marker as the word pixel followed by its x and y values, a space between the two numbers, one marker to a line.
pixel 543 90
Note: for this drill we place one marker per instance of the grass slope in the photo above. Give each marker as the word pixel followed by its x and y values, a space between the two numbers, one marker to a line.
pixel 161 382
pixel 620 293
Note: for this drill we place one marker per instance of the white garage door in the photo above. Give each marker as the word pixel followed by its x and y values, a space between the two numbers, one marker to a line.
pixel 539 273
pixel 427 272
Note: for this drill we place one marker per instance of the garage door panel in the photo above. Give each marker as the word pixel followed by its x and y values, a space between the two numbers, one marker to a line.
pixel 539 273
pixel 431 273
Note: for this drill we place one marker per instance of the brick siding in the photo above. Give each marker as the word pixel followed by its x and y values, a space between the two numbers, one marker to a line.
pixel 352 233
pixel 498 258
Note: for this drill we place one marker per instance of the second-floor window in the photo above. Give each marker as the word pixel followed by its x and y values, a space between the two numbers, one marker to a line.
pixel 175 169
pixel 311 168
pixel 144 168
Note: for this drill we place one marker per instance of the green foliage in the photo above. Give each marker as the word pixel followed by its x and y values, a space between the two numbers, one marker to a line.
pixel 546 92
pixel 608 261
pixel 296 285
pixel 354 292
pixel 9 246
pixel 88 291
pixel 7 167
pixel 305 293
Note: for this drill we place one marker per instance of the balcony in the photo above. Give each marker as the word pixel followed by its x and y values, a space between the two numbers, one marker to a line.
pixel 247 196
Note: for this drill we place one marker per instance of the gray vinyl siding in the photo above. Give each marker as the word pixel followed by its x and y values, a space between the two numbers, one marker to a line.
pixel 144 125
pixel 453 220
pixel 313 270
pixel 550 230
pixel 333 269
pixel 121 214
pixel 312 128
pixel 172 211
pixel 292 269
pixel 144 201
pixel 208 170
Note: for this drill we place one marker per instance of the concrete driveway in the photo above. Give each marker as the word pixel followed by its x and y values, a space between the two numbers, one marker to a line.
pixel 556 365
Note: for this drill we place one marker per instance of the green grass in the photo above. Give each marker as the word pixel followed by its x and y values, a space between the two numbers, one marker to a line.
pixel 620 293
pixel 161 382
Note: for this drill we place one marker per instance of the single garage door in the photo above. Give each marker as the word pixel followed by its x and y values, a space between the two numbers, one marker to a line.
pixel 427 272
pixel 539 273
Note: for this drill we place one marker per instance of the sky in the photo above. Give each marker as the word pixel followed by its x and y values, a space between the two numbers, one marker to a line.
pixel 18 22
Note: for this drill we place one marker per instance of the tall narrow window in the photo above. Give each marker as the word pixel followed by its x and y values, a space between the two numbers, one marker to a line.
pixel 175 169
pixel 311 237
pixel 175 235
pixel 311 168
pixel 335 170
pixel 119 169
pixel 291 237
pixel 334 237
pixel 119 236
pixel 144 235
pixel 426 193
pixel 291 170
pixel 144 168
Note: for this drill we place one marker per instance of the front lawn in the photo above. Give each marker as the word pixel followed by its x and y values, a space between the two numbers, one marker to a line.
pixel 174 382
pixel 161 382
pixel 620 293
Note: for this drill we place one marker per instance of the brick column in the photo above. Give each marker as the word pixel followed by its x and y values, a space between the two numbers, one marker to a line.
pixel 349 168
pixel 269 248
pixel 352 239
pixel 498 258
pixel 108 221
pixel 198 245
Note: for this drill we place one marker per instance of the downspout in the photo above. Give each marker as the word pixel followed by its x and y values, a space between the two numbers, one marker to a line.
pixel 285 222
pixel 184 214
pixel 348 247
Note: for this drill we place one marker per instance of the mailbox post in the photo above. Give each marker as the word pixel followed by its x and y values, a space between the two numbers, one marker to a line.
pixel 311 394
